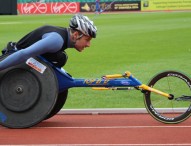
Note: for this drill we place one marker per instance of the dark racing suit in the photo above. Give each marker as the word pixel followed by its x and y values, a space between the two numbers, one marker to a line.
pixel 47 41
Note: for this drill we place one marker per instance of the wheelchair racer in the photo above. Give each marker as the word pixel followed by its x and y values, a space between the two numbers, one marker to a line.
pixel 51 41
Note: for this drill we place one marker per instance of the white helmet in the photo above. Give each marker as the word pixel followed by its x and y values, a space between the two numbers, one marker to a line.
pixel 83 24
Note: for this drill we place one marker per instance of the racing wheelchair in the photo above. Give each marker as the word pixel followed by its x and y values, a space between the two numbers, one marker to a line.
pixel 37 90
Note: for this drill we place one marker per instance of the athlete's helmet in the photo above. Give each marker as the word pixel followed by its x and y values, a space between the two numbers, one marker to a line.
pixel 83 24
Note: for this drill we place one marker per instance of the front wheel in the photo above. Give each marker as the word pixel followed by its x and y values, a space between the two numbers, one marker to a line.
pixel 163 109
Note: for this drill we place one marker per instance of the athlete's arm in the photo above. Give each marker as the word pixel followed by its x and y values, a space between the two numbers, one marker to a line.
pixel 50 43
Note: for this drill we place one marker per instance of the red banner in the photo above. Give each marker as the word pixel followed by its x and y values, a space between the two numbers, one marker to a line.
pixel 48 8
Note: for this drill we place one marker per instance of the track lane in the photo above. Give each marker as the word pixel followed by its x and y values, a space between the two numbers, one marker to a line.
pixel 128 129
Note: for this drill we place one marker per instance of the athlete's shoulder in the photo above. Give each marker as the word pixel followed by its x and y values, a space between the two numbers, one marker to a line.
pixel 52 26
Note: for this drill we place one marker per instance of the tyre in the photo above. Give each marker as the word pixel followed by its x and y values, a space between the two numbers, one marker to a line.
pixel 59 104
pixel 163 109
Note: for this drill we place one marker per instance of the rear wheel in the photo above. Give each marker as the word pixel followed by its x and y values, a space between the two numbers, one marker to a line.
pixel 168 110
pixel 26 95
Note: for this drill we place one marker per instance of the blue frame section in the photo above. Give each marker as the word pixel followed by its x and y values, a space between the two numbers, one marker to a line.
pixel 65 81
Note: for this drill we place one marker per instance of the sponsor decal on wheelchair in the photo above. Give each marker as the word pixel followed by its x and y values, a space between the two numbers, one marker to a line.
pixel 3 117
pixel 95 82
pixel 181 77
pixel 125 83
pixel 159 115
pixel 36 65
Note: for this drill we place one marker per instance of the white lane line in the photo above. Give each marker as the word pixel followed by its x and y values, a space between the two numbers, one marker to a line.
pixel 104 127
pixel 111 127
pixel 186 144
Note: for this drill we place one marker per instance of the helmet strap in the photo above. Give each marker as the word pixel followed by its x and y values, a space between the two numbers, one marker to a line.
pixel 79 37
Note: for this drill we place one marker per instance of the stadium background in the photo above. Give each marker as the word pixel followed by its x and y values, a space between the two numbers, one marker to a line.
pixel 75 6
pixel 143 43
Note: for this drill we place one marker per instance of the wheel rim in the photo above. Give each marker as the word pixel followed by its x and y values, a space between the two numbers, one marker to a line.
pixel 19 93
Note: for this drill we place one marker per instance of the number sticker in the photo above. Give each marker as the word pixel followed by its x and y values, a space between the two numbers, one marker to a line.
pixel 36 65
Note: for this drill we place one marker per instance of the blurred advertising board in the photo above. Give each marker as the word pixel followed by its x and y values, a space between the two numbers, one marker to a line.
pixel 48 8
pixel 165 5
pixel 109 6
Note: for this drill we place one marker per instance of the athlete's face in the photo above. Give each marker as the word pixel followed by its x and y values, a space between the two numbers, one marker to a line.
pixel 82 42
